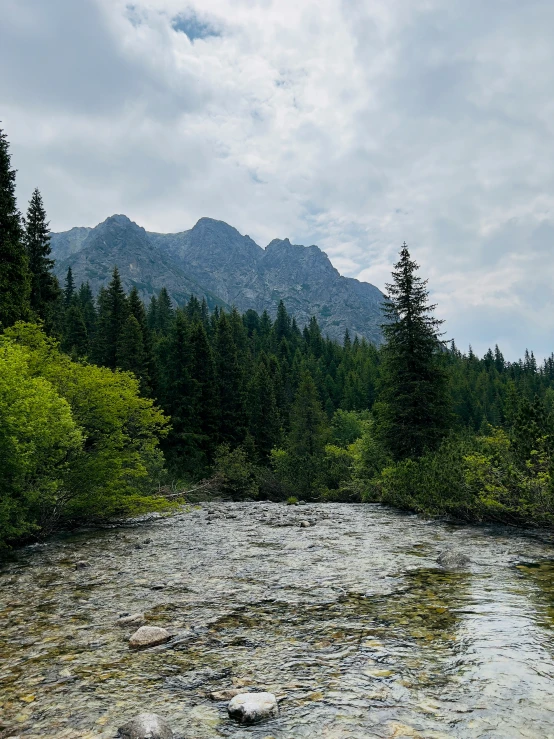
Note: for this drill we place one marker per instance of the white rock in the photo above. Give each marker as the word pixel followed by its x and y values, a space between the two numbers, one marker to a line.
pixel 249 708
pixel 149 636
pixel 146 726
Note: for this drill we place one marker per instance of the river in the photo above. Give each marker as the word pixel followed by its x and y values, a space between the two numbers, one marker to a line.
pixel 349 621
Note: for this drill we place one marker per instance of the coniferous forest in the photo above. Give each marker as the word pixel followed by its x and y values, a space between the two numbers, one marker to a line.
pixel 109 407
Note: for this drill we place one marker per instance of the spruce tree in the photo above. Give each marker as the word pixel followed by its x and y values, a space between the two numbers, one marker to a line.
pixel 414 410
pixel 307 437
pixel 88 310
pixel 130 351
pixel 44 285
pixel 262 410
pixel 75 336
pixel 15 279
pixel 230 384
pixel 113 311
pixel 69 288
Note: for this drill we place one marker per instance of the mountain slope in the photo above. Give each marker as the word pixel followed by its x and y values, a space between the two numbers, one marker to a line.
pixel 215 261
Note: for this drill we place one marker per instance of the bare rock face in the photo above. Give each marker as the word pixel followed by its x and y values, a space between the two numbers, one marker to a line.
pixel 149 636
pixel 250 708
pixel 214 261
pixel 146 726
pixel 450 559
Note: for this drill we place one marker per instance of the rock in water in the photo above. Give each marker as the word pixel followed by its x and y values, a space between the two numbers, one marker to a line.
pixel 450 559
pixel 149 636
pixel 249 708
pixel 130 620
pixel 146 726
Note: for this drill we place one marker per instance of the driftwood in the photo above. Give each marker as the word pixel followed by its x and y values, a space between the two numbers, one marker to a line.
pixel 213 483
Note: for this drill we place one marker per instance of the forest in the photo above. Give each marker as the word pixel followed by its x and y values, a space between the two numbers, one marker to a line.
pixel 107 403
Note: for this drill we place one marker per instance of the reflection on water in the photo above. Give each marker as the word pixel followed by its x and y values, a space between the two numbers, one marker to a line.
pixel 349 621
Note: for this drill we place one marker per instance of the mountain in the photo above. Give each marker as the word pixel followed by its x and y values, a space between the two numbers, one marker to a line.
pixel 213 260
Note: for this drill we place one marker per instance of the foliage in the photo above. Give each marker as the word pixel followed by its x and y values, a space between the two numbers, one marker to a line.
pixel 238 475
pixel 113 470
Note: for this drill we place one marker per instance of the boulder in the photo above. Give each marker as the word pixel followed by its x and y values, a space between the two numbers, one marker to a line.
pixel 149 636
pixel 305 524
pixel 146 726
pixel 450 559
pixel 250 708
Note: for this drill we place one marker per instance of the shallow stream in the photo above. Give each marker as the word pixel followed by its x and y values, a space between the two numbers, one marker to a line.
pixel 349 621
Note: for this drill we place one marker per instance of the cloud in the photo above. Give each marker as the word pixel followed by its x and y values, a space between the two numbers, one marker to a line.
pixel 353 124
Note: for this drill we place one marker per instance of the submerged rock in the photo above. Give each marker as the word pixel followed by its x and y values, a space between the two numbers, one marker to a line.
pixel 250 708
pixel 149 636
pixel 146 726
pixel 225 695
pixel 305 524
pixel 130 619
pixel 450 559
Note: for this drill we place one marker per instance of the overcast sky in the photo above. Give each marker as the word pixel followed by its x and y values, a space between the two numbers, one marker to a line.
pixel 352 124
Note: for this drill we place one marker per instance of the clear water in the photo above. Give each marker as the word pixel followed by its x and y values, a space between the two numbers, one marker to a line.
pixel 350 622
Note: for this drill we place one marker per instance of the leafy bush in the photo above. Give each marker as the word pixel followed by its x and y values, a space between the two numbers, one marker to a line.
pixel 79 441
pixel 238 475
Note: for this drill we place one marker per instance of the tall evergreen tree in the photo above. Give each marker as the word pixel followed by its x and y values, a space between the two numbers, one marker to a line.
pixel 69 288
pixel 230 384
pixel 414 412
pixel 307 436
pixel 113 311
pixel 15 279
pixel 75 336
pixel 262 410
pixel 130 351
pixel 44 285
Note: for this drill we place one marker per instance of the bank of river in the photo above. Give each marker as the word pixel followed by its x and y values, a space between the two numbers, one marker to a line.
pixel 349 621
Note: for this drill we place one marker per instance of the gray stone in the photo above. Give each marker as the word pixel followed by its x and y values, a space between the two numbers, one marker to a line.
pixel 146 726
pixel 149 636
pixel 305 524
pixel 450 559
pixel 251 708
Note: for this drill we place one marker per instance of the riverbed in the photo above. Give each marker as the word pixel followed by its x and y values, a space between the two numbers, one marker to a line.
pixel 340 610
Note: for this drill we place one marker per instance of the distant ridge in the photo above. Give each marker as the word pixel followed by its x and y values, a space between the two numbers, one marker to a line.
pixel 213 260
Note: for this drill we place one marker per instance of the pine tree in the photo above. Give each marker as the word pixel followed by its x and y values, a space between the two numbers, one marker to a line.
pixel 44 285
pixel 69 289
pixel 263 414
pixel 164 313
pixel 113 311
pixel 307 437
pixel 75 336
pixel 230 384
pixel 88 310
pixel 15 279
pixel 414 413
pixel 204 392
pixel 130 351
pixel 148 375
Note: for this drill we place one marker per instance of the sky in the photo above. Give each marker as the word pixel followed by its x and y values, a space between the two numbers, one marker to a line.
pixel 352 124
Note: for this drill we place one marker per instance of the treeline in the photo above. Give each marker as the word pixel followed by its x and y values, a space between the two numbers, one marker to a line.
pixel 104 398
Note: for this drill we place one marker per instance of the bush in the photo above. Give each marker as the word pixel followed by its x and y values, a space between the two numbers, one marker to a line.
pixel 86 444
pixel 238 475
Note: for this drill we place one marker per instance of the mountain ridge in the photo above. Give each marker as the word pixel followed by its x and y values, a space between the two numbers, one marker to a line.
pixel 213 260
